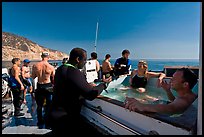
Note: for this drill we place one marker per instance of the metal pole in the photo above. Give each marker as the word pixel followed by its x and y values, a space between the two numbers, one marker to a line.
pixel 199 119
pixel 96 37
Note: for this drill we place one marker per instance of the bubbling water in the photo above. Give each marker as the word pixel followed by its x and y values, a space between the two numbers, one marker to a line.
pixel 150 96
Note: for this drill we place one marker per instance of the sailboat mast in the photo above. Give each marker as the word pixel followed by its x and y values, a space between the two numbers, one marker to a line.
pixel 96 37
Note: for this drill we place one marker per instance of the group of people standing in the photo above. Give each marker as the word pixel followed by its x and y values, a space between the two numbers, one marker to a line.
pixel 65 88
pixel 21 80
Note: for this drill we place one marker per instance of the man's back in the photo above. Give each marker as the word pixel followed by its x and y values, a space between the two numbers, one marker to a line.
pixel 43 70
pixel 106 66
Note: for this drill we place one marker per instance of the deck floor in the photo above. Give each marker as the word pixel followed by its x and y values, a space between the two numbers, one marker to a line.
pixel 23 125
pixel 28 123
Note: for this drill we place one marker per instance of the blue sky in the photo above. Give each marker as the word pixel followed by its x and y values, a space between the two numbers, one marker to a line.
pixel 150 30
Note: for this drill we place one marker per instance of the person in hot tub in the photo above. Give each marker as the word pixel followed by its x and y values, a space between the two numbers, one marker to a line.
pixel 140 76
pixel 182 82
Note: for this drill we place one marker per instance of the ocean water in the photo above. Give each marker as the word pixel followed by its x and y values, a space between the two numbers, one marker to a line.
pixel 158 64
pixel 153 64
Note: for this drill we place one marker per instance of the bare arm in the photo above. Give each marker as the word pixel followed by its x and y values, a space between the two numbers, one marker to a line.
pixel 170 95
pixel 159 75
pixel 109 66
pixel 167 87
pixel 178 106
pixel 53 75
pixel 97 66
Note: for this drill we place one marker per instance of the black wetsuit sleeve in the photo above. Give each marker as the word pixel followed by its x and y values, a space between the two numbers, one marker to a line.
pixel 117 63
pixel 86 90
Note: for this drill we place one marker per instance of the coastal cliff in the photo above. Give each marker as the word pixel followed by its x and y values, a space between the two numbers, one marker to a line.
pixel 21 47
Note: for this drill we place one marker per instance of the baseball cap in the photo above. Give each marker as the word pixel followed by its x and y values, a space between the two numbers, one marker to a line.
pixel 45 54
pixel 26 61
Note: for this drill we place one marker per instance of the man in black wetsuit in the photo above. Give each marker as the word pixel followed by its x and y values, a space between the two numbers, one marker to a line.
pixel 122 65
pixel 69 86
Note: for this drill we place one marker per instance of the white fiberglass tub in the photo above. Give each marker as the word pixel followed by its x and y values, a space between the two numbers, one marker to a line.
pixel 107 112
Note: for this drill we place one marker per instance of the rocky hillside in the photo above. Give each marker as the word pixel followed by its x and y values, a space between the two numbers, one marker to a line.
pixel 17 46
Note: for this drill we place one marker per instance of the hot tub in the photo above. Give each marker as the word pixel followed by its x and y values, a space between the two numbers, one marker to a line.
pixel 107 112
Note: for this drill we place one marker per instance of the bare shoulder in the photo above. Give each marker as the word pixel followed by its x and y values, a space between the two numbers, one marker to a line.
pixel 97 62
pixel 37 64
pixel 15 67
pixel 106 63
pixel 50 66
pixel 134 71
pixel 185 100
pixel 191 97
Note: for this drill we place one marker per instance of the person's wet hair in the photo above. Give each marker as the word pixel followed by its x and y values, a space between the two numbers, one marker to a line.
pixel 107 56
pixel 144 62
pixel 94 55
pixel 189 76
pixel 77 52
pixel 14 60
pixel 125 51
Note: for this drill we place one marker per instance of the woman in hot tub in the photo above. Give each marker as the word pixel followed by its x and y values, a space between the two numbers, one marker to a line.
pixel 140 76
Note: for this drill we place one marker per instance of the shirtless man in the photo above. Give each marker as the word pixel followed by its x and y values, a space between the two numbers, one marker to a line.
pixel 26 75
pixel 182 82
pixel 107 70
pixel 17 86
pixel 45 74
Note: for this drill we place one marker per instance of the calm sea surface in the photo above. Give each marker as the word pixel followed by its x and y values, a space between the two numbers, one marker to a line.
pixel 158 64
pixel 153 64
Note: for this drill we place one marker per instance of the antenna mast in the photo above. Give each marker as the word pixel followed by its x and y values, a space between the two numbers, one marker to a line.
pixel 96 37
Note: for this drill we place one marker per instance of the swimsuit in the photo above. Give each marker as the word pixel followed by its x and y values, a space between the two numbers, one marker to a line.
pixel 139 81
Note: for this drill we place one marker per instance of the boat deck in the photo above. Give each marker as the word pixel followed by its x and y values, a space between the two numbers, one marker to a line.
pixel 22 125
pixel 28 123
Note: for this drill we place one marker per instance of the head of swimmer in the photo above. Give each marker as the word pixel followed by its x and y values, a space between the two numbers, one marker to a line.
pixel 142 65
pixel 77 57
